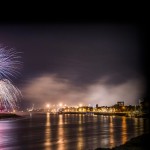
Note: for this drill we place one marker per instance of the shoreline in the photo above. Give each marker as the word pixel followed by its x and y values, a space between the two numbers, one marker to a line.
pixel 137 143
pixel 8 116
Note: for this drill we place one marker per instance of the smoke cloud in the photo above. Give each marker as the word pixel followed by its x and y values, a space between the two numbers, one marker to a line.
pixel 52 89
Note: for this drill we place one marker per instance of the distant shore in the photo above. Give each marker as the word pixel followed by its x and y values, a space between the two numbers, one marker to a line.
pixel 24 114
pixel 138 143
pixel 143 115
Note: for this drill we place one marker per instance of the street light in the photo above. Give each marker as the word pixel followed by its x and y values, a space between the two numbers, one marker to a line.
pixel 80 105
pixel 60 104
pixel 47 105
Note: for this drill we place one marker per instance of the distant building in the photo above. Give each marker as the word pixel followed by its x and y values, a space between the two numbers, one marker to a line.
pixel 120 103
pixel 144 105
pixel 96 105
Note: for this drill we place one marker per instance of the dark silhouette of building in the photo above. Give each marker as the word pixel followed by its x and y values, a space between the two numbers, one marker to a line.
pixel 120 103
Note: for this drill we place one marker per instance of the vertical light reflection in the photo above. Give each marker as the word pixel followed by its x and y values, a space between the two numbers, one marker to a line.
pixel 141 124
pixel 47 132
pixel 105 131
pixel 124 130
pixel 61 145
pixel 3 132
pixel 7 134
pixel 79 137
pixel 138 126
pixel 111 129
pixel 80 118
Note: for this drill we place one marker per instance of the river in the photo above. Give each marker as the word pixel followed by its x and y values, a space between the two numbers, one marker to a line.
pixel 69 131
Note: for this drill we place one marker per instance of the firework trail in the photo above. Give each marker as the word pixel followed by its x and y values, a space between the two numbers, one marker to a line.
pixel 9 63
pixel 9 94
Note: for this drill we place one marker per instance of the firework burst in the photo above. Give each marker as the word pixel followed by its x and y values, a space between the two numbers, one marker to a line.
pixel 9 63
pixel 9 95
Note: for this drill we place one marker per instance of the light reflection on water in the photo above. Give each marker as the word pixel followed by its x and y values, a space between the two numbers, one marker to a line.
pixel 47 132
pixel 124 130
pixel 69 132
pixel 111 129
pixel 80 138
pixel 60 134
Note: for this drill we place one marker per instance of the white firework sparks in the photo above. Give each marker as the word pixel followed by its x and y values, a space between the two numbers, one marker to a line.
pixel 9 63
pixel 9 95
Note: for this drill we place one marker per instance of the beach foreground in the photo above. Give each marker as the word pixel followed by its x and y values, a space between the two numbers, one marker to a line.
pixel 138 143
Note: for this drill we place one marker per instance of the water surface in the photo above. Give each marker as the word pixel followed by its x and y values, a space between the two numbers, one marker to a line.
pixel 69 131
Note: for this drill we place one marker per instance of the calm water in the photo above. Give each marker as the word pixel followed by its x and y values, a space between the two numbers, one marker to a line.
pixel 68 132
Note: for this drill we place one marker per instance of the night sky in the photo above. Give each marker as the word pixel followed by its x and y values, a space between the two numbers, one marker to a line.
pixel 96 63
